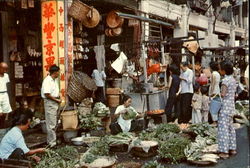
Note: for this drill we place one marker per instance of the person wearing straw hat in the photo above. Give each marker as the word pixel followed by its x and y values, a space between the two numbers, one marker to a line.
pixel 50 95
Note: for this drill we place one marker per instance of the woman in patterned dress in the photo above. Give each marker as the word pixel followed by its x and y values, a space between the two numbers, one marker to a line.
pixel 226 132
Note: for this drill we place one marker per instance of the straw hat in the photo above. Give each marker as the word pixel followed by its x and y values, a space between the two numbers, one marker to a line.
pixel 109 32
pixel 91 18
pixel 113 20
pixel 192 46
pixel 117 31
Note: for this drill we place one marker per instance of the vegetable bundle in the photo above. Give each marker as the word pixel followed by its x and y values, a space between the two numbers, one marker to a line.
pixel 89 122
pixel 130 114
pixel 64 157
pixel 173 149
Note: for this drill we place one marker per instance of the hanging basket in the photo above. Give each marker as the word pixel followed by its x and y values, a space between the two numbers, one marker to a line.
pixel 80 86
pixel 77 9
pixel 89 16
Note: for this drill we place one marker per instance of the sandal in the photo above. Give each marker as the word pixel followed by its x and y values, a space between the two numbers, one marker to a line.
pixel 224 155
pixel 232 152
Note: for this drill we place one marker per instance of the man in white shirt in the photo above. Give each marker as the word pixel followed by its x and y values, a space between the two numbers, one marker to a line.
pixel 99 78
pixel 50 95
pixel 186 93
pixel 5 107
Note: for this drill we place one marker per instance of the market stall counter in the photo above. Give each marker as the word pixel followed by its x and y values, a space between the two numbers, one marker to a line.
pixel 146 102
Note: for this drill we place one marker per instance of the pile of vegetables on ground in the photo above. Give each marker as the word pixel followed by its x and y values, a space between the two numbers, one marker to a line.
pixel 176 143
pixel 63 157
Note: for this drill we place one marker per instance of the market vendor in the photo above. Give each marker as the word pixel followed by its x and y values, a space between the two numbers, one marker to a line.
pixel 99 78
pixel 50 95
pixel 128 119
pixel 13 145
pixel 5 107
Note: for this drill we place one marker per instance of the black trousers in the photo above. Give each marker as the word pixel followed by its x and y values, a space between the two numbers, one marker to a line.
pixel 185 107
pixel 99 94
pixel 136 125
pixel 18 154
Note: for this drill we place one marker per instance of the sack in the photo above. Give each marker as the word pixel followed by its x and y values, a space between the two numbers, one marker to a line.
pixel 69 119
pixel 215 106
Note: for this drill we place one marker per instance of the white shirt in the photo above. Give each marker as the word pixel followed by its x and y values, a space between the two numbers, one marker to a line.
pixel 99 77
pixel 124 124
pixel 187 84
pixel 247 72
pixel 3 82
pixel 216 77
pixel 50 86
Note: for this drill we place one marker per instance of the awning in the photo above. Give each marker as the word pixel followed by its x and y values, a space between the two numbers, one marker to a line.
pixel 145 19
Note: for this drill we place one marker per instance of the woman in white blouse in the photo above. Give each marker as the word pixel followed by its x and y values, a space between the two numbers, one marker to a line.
pixel 126 125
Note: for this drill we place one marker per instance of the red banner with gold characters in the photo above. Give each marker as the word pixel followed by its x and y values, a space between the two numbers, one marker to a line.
pixel 53 39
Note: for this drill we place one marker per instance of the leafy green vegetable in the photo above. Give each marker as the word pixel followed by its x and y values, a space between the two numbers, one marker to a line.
pixel 89 122
pixel 194 150
pixel 100 148
pixel 173 149
pixel 65 157
pixel 153 164
pixel 130 114
pixel 200 128
pixel 101 109
pixel 166 128
pixel 121 138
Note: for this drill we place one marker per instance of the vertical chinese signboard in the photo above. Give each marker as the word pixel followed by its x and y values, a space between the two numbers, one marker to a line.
pixel 53 39
pixel 60 25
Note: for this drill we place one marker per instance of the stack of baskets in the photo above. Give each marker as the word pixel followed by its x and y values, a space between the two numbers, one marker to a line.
pixel 80 86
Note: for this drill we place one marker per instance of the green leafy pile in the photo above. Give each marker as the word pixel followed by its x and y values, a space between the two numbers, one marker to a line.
pixel 152 164
pixel 100 109
pixel 99 148
pixel 130 114
pixel 194 150
pixel 89 122
pixel 200 129
pixel 121 138
pixel 162 133
pixel 173 149
pixel 64 157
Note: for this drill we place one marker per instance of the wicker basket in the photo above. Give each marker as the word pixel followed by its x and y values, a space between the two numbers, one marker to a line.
pixel 138 151
pixel 118 148
pixel 77 9
pixel 80 86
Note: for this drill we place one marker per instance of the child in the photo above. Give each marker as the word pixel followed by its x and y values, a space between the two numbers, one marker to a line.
pixel 205 104
pixel 196 104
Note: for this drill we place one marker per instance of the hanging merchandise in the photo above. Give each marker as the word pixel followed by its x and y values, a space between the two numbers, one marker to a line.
pixel 31 3
pixel 116 31
pixel 119 63
pixel 24 4
pixel 115 47
pixel 100 57
pixel 192 46
pixel 113 20
pixel 89 16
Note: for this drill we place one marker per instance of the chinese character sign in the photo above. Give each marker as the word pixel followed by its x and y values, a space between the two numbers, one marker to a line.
pixel 49 35
pixel 60 25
